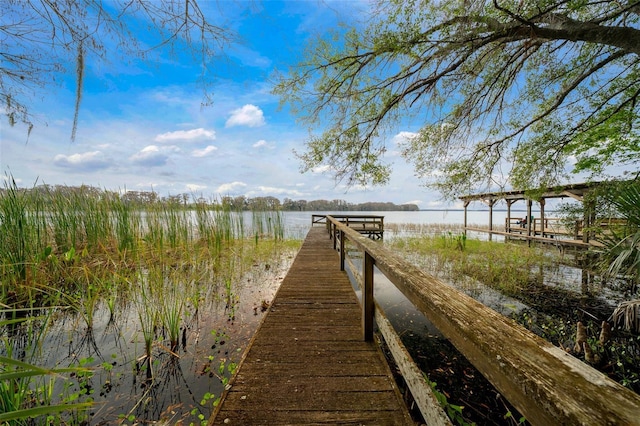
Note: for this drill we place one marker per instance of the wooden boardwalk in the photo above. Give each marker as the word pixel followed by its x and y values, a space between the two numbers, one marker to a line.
pixel 308 362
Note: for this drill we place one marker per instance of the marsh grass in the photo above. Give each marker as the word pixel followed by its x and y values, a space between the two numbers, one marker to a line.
pixel 173 298
pixel 508 268
pixel 267 224
pixel 84 249
pixel 148 318
pixel 421 229
pixel 18 237
pixel 17 391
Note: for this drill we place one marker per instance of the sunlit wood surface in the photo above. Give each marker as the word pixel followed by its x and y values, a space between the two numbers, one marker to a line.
pixel 308 363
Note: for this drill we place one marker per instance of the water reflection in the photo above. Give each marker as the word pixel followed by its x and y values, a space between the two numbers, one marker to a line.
pixel 172 384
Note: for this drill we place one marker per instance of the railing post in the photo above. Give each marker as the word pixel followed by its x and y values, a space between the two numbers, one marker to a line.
pixel 342 254
pixel 333 234
pixel 368 308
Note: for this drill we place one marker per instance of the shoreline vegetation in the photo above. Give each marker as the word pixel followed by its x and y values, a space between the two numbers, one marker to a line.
pixel 572 307
pixel 105 303
pixel 178 288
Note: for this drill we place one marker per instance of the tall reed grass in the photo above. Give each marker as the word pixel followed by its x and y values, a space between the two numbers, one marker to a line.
pixel 85 248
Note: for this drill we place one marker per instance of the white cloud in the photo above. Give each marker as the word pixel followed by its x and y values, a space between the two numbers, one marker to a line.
pixel 193 187
pixel 186 135
pixel 321 169
pixel 274 191
pixel 203 152
pixel 403 137
pixel 86 161
pixel 416 202
pixel 261 144
pixel 150 156
pixel 249 115
pixel 227 188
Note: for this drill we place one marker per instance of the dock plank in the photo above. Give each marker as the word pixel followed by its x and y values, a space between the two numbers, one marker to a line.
pixel 308 362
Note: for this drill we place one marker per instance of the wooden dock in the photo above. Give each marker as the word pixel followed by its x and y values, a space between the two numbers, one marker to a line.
pixel 308 362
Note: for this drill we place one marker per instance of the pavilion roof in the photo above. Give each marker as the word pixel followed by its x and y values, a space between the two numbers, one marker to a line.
pixel 575 191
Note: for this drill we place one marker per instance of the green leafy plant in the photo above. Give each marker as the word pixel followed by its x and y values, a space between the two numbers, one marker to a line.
pixel 621 254
pixel 26 389
pixel 453 411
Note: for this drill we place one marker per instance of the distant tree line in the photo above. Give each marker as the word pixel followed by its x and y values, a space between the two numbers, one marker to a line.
pixel 273 203
pixel 234 203
pixel 342 205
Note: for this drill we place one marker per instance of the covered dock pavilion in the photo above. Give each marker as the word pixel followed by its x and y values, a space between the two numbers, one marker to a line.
pixel 543 228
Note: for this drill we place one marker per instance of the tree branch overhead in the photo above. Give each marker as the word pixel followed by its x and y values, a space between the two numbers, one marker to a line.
pixel 497 84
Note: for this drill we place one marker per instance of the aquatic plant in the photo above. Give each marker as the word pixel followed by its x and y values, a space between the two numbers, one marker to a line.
pixel 267 224
pixel 458 241
pixel 144 264
pixel 171 310
pixel 20 400
pixel 148 318
pixel 127 223
pixel 26 390
pixel 86 299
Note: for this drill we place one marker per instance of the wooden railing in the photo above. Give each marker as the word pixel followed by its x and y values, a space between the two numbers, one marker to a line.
pixel 547 227
pixel 546 384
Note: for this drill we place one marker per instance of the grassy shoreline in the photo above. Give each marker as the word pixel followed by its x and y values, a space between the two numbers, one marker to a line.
pixel 520 272
pixel 67 254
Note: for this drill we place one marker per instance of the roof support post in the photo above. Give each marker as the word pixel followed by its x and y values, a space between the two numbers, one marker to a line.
pixel 466 204
pixel 589 219
pixel 507 222
pixel 491 203
pixel 542 223
pixel 529 204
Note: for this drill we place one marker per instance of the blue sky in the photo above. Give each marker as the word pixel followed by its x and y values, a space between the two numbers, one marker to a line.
pixel 142 126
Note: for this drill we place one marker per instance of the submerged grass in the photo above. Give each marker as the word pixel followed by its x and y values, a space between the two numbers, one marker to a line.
pixel 27 389
pixel 508 268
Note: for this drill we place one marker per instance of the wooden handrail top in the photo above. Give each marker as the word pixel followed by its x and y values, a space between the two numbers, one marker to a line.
pixel 317 217
pixel 546 384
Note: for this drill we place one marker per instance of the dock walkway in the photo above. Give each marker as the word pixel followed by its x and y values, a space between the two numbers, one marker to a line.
pixel 308 362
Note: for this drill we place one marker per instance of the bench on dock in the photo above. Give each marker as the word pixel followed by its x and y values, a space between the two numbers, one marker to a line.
pixel 370 225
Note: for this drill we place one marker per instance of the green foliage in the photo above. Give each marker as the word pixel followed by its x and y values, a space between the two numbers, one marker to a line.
pixel 453 411
pixel 156 259
pixel 511 270
pixel 457 241
pixel 621 254
pixel 491 83
pixel 26 389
